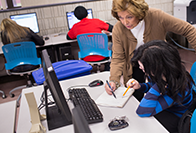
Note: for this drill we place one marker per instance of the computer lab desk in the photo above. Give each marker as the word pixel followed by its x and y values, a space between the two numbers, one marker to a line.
pixel 54 39
pixel 136 123
pixel 7 116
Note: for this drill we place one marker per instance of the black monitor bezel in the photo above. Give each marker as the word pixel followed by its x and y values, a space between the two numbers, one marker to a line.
pixel 51 82
pixel 73 12
pixel 27 14
pixel 80 124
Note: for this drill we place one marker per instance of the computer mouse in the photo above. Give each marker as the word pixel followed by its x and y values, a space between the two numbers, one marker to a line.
pixel 117 124
pixel 96 83
pixel 46 38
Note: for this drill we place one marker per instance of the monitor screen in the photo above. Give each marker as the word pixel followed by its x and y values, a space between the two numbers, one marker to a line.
pixel 28 20
pixel 71 19
pixel 58 114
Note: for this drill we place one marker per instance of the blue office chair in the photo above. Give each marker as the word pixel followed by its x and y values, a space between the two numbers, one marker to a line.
pixel 193 74
pixel 193 123
pixel 95 46
pixel 21 60
pixel 193 118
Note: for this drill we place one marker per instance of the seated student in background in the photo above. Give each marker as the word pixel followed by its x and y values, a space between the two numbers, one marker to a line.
pixel 169 87
pixel 11 32
pixel 87 25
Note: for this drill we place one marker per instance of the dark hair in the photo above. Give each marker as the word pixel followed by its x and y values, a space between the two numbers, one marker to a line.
pixel 161 59
pixel 80 12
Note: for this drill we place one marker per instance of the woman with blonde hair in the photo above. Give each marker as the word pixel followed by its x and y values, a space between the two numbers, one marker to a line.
pixel 138 24
pixel 11 32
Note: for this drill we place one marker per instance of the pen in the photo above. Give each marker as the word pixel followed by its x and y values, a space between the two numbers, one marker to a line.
pixel 110 88
pixel 128 88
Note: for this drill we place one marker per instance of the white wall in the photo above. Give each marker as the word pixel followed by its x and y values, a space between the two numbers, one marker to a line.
pixel 52 19
pixel 26 3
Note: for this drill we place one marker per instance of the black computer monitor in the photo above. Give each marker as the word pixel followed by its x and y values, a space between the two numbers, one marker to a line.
pixel 71 19
pixel 79 122
pixel 58 114
pixel 28 20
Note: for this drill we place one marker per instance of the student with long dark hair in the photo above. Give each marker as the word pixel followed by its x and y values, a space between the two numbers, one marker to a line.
pixel 169 87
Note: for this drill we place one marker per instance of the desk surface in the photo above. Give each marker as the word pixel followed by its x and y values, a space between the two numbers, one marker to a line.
pixel 136 123
pixel 54 39
pixel 7 117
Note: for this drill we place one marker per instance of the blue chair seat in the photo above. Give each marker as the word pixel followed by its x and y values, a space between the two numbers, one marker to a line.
pixel 93 45
pixel 65 70
pixel 21 59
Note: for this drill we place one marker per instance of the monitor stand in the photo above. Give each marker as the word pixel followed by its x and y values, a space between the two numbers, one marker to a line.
pixel 55 119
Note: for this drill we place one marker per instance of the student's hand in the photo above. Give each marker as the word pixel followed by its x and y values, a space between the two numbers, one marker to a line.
pixel 133 84
pixel 107 88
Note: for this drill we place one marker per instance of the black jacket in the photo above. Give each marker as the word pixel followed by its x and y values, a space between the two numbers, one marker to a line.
pixel 31 36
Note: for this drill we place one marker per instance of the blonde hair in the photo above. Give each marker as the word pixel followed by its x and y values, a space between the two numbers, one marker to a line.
pixel 137 8
pixel 12 31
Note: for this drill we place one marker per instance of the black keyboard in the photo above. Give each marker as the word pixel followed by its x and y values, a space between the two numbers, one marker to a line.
pixel 80 97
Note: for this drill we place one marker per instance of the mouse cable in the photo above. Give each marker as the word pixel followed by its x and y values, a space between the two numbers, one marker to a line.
pixel 190 49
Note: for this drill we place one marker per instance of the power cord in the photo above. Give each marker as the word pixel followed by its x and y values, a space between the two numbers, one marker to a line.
pixel 42 99
pixel 190 49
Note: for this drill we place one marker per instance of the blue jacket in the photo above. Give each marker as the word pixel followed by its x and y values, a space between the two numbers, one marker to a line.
pixel 155 102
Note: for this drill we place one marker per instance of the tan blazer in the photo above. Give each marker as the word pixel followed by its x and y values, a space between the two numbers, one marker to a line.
pixel 157 24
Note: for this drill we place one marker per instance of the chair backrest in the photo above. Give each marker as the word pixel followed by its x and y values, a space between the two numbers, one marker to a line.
pixel 93 44
pixel 193 74
pixel 20 53
pixel 193 123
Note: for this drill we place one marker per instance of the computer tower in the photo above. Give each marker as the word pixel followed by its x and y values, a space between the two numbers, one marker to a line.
pixel 51 52
pixel 185 10
pixel 64 52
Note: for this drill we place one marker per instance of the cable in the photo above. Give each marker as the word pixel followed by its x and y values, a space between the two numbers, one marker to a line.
pixel 190 49
pixel 42 99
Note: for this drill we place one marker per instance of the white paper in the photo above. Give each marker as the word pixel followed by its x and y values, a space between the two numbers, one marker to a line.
pixel 109 100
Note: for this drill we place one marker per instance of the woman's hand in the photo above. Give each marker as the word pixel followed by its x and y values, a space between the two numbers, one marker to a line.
pixel 133 84
pixel 107 88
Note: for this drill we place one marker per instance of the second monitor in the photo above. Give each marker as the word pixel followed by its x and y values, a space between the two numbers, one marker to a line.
pixel 28 20
pixel 71 19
